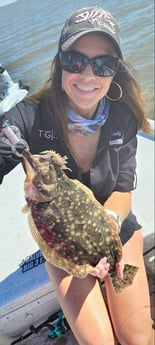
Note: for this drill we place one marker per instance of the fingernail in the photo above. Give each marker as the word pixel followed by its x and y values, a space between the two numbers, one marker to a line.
pixel 103 261
pixel 107 266
pixel 121 276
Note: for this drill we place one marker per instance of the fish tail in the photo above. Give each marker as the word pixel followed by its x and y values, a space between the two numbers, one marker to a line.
pixel 128 277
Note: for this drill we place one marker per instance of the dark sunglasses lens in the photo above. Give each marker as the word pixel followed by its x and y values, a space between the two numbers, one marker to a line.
pixel 73 62
pixel 105 66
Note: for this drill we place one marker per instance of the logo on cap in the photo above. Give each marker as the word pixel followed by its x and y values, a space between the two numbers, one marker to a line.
pixel 96 17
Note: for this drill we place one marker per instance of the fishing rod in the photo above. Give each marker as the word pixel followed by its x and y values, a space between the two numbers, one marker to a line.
pixel 9 97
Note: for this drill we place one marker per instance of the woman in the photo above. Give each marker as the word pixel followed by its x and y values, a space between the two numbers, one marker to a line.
pixel 91 109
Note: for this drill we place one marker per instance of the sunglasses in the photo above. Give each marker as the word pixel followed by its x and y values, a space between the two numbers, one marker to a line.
pixel 102 65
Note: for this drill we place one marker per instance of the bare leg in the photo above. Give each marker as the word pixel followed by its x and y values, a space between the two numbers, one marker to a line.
pixel 83 304
pixel 130 310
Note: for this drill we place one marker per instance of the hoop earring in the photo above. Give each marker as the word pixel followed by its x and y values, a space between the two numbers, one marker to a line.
pixel 120 91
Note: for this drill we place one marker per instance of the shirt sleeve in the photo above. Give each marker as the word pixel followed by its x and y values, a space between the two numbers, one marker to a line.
pixel 127 178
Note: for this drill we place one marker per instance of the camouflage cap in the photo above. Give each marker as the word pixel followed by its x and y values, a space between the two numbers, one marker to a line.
pixel 90 20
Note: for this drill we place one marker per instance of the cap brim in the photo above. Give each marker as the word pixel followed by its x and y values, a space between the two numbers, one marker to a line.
pixel 68 43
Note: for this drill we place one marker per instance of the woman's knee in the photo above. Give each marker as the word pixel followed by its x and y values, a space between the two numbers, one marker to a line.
pixel 137 330
pixel 89 340
pixel 137 339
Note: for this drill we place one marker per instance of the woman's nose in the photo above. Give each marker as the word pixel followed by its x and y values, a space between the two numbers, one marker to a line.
pixel 88 72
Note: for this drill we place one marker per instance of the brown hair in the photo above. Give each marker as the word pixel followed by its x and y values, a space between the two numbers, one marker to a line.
pixel 56 100
pixel 132 94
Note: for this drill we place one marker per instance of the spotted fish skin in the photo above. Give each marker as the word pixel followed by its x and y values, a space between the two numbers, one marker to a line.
pixel 68 217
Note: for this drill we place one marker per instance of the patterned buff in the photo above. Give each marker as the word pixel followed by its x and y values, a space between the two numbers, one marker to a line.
pixel 78 124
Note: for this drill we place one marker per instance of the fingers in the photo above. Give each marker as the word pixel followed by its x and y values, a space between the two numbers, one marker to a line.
pixel 120 268
pixel 101 269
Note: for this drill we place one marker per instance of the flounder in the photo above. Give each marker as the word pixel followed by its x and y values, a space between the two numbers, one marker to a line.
pixel 70 226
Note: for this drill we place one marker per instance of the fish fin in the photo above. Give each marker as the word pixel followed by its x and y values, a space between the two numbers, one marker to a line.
pixel 128 276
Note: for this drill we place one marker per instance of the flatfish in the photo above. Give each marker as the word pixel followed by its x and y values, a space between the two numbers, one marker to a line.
pixel 70 226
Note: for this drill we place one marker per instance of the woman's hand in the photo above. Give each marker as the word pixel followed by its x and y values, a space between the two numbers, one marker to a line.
pixel 102 268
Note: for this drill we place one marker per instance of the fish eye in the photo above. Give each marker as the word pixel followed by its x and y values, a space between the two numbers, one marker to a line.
pixel 43 160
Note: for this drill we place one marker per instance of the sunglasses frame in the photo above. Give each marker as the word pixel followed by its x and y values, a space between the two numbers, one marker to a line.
pixel 71 69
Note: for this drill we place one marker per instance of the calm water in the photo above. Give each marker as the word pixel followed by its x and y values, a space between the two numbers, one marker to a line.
pixel 29 31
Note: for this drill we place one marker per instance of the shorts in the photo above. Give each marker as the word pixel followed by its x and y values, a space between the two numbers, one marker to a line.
pixel 129 226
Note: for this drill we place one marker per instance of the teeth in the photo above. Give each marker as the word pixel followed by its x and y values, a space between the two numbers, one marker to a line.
pixel 88 89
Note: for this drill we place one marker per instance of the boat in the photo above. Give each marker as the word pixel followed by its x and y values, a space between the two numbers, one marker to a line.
pixel 27 298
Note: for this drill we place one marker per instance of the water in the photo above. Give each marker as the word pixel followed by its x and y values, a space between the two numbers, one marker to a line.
pixel 29 31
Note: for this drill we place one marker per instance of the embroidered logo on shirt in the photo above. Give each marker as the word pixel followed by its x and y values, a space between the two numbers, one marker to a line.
pixel 46 134
pixel 117 138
